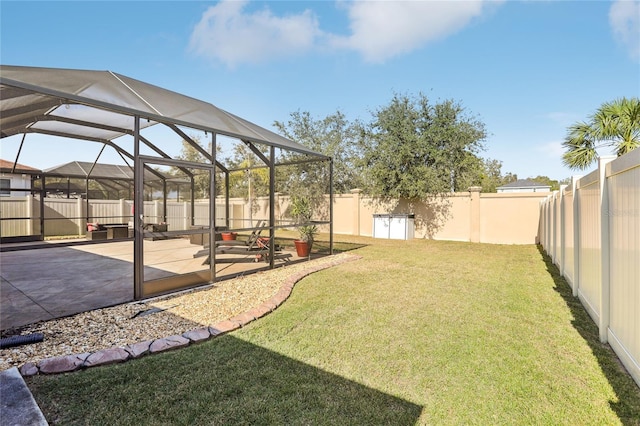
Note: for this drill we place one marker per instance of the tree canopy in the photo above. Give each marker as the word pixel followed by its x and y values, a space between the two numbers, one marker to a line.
pixel 333 136
pixel 201 177
pixel 410 149
pixel 545 180
pixel 251 177
pixel 615 124
pixel 491 176
pixel 414 148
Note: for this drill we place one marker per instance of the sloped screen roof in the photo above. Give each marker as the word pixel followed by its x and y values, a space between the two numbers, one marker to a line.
pixel 84 169
pixel 98 105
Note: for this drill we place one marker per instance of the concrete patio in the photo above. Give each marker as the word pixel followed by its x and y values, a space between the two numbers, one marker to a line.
pixel 61 280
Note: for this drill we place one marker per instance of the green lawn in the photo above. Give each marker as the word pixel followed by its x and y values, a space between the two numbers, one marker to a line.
pixel 416 332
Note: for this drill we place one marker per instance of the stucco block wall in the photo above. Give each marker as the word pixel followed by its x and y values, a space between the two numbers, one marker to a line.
pixel 457 227
pixel 507 218
pixel 510 218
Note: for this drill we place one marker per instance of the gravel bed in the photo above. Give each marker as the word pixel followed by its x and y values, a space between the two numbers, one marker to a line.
pixel 119 326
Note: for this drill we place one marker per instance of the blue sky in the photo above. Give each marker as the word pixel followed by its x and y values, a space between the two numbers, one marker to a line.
pixel 526 69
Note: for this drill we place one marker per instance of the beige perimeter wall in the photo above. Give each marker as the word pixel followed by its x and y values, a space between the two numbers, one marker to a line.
pixel 509 218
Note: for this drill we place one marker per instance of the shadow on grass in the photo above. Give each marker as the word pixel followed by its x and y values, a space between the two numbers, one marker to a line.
pixel 322 246
pixel 628 405
pixel 222 381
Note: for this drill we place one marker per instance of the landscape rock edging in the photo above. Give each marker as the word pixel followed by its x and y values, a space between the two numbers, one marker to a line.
pixel 75 362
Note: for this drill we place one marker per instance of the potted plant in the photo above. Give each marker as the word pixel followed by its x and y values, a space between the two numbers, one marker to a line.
pixel 229 236
pixel 301 212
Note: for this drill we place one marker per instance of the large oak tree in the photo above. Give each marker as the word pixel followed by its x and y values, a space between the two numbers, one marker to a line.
pixel 415 149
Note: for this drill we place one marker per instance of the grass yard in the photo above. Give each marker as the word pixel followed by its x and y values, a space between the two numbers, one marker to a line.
pixel 416 332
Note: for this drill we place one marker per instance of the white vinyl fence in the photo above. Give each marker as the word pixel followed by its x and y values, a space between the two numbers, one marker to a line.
pixel 69 216
pixel 20 216
pixel 591 230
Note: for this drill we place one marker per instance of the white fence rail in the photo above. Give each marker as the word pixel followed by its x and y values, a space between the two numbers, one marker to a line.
pixel 64 216
pixel 20 210
pixel 591 230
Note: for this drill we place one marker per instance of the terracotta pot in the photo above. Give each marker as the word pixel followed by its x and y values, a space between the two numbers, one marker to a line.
pixel 302 248
pixel 229 236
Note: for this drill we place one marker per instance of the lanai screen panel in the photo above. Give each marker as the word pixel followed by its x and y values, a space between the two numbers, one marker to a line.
pixel 30 96
pixel 101 106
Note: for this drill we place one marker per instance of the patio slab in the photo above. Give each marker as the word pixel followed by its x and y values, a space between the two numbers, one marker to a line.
pixel 57 281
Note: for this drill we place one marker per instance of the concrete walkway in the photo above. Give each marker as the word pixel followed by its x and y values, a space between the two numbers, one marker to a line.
pixel 17 406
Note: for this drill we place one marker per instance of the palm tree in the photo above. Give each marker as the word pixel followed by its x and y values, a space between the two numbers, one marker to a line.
pixel 615 124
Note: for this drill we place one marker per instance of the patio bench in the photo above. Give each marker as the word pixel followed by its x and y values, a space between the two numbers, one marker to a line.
pixel 117 231
pixel 107 231
pixel 96 235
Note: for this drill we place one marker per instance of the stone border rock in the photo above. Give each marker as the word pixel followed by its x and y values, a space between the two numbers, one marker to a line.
pixel 69 363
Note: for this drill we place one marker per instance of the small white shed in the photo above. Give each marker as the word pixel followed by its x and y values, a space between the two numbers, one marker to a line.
pixel 394 226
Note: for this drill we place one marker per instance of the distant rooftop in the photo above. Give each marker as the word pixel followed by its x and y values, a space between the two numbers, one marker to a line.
pixel 524 183
pixel 7 166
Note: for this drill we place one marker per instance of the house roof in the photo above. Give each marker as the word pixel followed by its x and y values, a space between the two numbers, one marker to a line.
pixel 99 106
pixel 524 183
pixel 7 166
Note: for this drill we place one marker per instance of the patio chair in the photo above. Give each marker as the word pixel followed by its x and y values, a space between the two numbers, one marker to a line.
pixel 250 242
pixel 250 253
pixel 242 246
pixel 258 245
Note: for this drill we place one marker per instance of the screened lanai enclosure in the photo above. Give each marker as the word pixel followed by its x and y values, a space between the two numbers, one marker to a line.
pixel 167 202
pixel 106 191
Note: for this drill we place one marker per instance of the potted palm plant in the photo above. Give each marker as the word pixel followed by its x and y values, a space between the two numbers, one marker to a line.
pixel 301 212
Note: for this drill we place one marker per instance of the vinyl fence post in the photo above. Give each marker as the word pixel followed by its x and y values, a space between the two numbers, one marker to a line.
pixel 605 250
pixel 29 213
pixel 554 227
pixel 576 235
pixel 187 218
pixel 123 211
pixel 81 229
pixel 563 229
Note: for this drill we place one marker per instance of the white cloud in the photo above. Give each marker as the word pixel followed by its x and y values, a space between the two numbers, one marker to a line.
pixel 384 29
pixel 379 29
pixel 624 18
pixel 227 34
